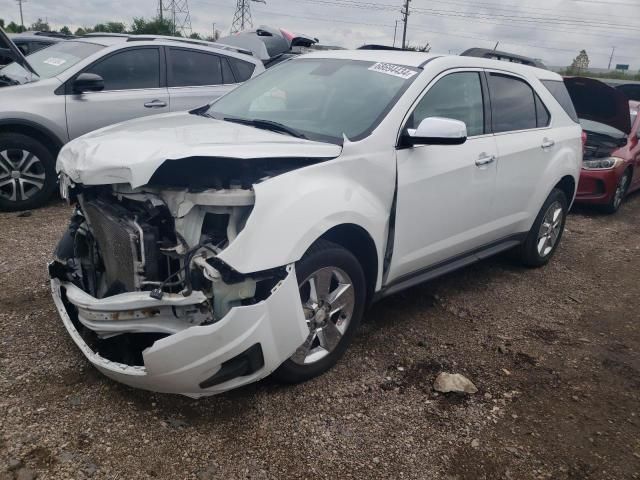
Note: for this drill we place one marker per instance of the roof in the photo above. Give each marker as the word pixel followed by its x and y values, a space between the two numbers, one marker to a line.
pixel 419 59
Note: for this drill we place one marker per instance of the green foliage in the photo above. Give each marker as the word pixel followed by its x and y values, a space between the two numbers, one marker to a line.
pixel 580 63
pixel 156 26
pixel 110 27
pixel 65 30
pixel 1 22
pixel 13 27
pixel 40 26
pixel 419 48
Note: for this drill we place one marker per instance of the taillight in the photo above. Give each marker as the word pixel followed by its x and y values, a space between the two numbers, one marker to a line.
pixel 584 140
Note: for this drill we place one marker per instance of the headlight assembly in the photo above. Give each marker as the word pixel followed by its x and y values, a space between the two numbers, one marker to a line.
pixel 601 163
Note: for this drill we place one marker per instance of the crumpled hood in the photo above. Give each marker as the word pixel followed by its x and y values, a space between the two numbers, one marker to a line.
pixel 132 151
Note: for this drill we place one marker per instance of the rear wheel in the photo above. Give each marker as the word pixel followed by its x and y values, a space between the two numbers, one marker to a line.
pixel 332 291
pixel 621 191
pixel 27 172
pixel 545 234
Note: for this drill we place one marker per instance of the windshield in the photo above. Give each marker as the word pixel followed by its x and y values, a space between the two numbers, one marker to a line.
pixel 602 129
pixel 323 99
pixel 51 61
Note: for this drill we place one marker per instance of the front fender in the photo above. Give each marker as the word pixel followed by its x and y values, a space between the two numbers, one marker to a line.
pixel 293 210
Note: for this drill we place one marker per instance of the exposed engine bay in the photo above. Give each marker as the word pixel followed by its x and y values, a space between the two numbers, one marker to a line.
pixel 162 243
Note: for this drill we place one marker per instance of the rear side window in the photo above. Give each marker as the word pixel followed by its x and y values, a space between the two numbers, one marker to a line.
pixel 457 96
pixel 129 69
pixel 244 70
pixel 513 104
pixel 542 114
pixel 560 93
pixel 189 68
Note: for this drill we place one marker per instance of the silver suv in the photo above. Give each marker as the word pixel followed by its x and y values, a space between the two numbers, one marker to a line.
pixel 73 87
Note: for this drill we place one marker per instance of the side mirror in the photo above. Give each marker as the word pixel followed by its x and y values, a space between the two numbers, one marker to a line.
pixel 88 82
pixel 436 131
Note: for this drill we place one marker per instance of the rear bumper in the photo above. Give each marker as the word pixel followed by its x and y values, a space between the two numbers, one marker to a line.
pixel 181 362
pixel 597 186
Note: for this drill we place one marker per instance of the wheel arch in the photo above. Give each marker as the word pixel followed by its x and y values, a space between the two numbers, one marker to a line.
pixel 360 243
pixel 567 185
pixel 33 130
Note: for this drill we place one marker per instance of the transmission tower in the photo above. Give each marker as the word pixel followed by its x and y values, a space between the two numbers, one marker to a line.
pixel 242 16
pixel 178 12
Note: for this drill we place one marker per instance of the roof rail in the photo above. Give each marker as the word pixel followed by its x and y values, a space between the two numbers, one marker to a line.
pixel 150 38
pixel 379 47
pixel 504 56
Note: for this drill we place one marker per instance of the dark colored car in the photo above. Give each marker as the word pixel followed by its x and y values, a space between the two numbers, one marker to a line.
pixel 611 165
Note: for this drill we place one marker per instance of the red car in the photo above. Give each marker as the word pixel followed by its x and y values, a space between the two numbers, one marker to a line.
pixel 611 166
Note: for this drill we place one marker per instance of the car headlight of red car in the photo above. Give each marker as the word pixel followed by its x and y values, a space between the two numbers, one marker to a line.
pixel 601 163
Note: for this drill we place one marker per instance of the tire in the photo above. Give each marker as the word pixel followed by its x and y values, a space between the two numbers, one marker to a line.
pixel 27 173
pixel 326 260
pixel 621 191
pixel 534 253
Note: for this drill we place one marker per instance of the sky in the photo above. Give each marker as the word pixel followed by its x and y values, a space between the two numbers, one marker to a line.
pixel 551 30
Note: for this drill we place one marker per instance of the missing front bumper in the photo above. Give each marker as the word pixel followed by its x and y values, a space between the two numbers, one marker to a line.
pixel 181 362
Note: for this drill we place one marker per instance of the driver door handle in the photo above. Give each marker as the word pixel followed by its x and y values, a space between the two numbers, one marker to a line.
pixel 485 159
pixel 155 104
pixel 547 143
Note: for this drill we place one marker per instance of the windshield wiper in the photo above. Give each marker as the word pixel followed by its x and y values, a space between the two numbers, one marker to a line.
pixel 267 125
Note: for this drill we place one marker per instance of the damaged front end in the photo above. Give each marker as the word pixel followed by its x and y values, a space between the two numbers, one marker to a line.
pixel 138 282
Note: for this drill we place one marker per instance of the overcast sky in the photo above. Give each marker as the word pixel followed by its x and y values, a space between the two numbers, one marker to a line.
pixel 552 30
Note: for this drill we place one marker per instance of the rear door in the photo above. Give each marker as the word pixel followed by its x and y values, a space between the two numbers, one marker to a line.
pixel 134 86
pixel 525 143
pixel 196 77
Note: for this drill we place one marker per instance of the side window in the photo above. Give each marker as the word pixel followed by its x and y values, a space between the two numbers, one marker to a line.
pixel 513 104
pixel 129 69
pixel 542 114
pixel 227 73
pixel 457 96
pixel 244 69
pixel 191 68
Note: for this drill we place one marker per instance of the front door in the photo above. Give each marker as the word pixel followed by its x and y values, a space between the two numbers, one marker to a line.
pixel 445 192
pixel 132 89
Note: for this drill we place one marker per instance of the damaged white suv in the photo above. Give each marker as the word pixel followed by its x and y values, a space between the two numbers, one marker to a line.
pixel 212 248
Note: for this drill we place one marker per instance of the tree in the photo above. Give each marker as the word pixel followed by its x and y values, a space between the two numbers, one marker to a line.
pixel 65 30
pixel 195 36
pixel 13 27
pixel 156 26
pixel 214 37
pixel 40 26
pixel 426 48
pixel 1 22
pixel 580 63
pixel 110 27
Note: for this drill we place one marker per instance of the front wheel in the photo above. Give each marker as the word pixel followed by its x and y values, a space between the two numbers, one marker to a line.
pixel 545 234
pixel 332 290
pixel 621 191
pixel 27 172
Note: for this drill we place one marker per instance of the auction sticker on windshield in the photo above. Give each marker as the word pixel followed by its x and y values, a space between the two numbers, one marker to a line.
pixel 56 62
pixel 395 70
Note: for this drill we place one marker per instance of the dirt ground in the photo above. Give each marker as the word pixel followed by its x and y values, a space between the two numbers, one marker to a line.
pixel 554 352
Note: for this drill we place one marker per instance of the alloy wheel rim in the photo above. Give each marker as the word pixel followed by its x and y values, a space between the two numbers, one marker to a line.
pixel 22 175
pixel 620 190
pixel 550 229
pixel 328 302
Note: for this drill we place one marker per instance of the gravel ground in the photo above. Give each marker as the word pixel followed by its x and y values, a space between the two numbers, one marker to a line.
pixel 554 352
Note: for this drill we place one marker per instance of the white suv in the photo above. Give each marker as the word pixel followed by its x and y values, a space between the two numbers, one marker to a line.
pixel 212 248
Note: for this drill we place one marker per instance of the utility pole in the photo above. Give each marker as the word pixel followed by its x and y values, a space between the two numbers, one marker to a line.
pixel 611 57
pixel 496 47
pixel 394 33
pixel 405 17
pixel 214 31
pixel 21 18
pixel 160 11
